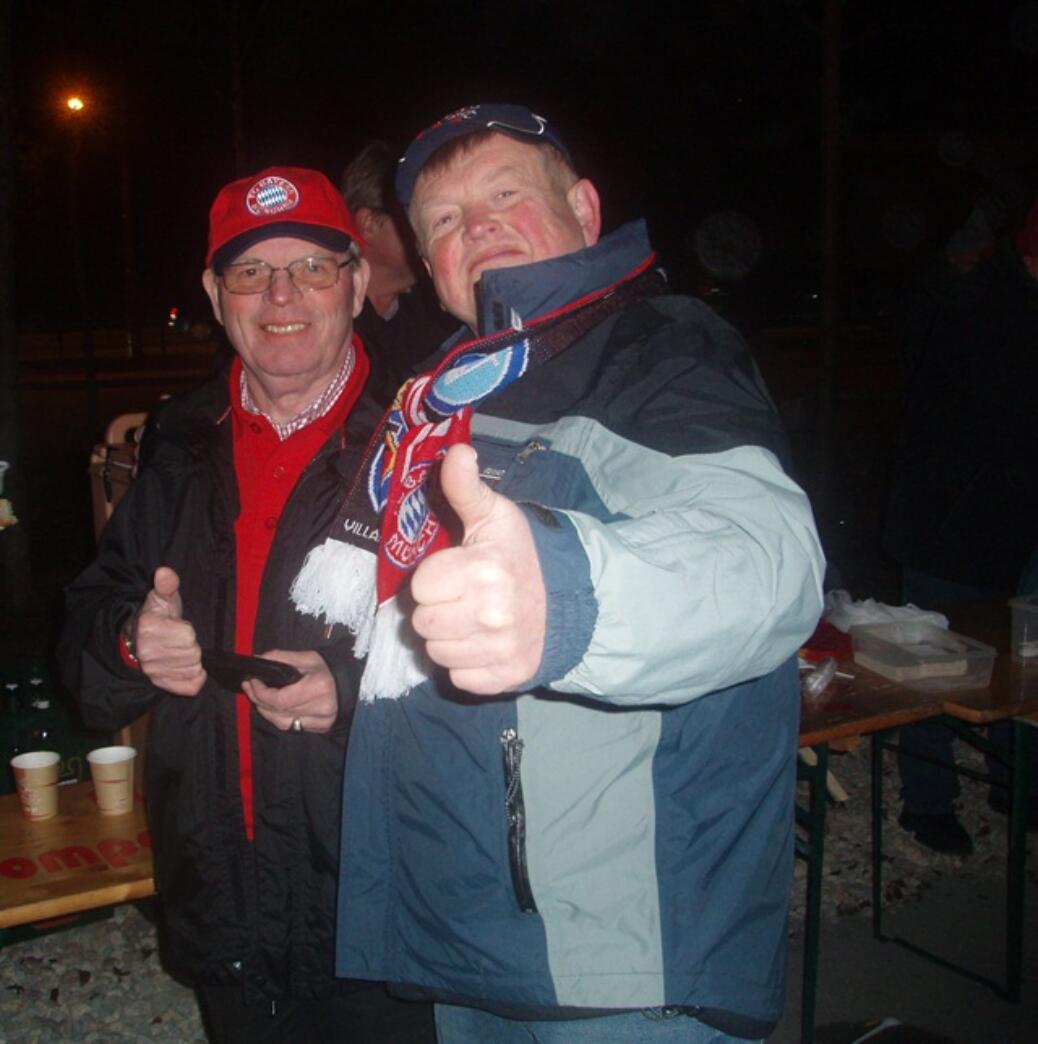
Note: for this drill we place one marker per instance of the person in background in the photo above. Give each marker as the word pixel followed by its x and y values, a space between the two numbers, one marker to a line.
pixel 402 322
pixel 569 798
pixel 963 505
pixel 236 480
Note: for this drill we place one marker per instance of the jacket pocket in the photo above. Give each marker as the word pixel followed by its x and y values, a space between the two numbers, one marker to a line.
pixel 512 750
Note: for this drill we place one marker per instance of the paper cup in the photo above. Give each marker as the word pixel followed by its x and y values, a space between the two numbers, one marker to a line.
pixel 111 769
pixel 1024 646
pixel 36 776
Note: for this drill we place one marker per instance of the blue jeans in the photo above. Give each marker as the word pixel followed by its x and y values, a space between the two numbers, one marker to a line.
pixel 456 1025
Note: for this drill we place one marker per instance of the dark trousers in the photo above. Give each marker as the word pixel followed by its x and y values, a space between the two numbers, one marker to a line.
pixel 349 1014
pixel 931 789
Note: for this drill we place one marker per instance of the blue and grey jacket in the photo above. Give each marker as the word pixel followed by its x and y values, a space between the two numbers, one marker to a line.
pixel 619 835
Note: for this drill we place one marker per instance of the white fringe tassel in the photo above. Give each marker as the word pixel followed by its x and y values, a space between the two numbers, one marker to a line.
pixel 396 657
pixel 337 581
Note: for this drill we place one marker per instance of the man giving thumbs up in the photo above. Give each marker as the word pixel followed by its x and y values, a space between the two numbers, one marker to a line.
pixel 577 825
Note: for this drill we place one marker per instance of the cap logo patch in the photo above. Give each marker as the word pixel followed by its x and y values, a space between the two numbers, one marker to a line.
pixel 271 195
pixel 461 114
pixel 458 116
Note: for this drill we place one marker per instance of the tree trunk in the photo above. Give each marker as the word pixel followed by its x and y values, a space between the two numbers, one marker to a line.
pixel 15 577
pixel 237 112
pixel 830 318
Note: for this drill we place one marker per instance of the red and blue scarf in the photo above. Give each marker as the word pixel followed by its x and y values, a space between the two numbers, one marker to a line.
pixel 386 525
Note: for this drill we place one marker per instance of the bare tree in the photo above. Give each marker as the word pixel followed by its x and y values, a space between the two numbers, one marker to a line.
pixel 241 34
pixel 15 578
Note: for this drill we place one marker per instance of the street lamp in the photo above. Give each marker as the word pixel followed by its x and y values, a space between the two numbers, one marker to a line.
pixel 76 107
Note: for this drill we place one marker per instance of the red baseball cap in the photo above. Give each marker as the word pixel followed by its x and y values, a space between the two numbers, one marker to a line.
pixel 279 201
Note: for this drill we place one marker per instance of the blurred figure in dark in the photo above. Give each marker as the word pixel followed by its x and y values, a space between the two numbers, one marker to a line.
pixel 963 512
pixel 402 322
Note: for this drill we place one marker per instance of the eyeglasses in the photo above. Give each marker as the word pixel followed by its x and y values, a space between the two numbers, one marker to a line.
pixel 307 273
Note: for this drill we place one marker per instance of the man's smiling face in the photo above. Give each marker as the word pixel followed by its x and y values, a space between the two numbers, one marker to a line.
pixel 290 341
pixel 497 205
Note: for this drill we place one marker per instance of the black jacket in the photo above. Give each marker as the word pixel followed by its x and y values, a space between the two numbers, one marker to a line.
pixel 964 485
pixel 259 913
pixel 398 345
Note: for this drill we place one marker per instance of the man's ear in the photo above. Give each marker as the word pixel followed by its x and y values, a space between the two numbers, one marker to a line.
pixel 368 221
pixel 209 282
pixel 583 201
pixel 360 273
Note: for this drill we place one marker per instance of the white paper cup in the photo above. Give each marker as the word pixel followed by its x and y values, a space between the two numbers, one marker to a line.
pixel 36 775
pixel 1024 646
pixel 111 769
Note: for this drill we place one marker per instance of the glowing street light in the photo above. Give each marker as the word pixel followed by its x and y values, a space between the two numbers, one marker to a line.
pixel 74 107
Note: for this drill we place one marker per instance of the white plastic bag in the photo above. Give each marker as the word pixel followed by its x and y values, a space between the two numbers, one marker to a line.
pixel 843 612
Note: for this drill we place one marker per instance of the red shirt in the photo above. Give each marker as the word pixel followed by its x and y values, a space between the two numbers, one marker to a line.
pixel 267 471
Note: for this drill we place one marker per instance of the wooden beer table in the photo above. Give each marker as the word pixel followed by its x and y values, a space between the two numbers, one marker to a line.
pixel 1011 696
pixel 76 861
pixel 849 709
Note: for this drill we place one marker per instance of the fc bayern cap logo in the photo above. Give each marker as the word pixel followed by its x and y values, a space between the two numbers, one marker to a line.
pixel 272 195
pixel 278 201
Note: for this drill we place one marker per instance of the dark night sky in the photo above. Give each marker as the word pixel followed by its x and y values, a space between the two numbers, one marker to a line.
pixel 677 111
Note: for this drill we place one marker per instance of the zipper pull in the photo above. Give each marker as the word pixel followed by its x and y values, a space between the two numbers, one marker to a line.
pixel 532 447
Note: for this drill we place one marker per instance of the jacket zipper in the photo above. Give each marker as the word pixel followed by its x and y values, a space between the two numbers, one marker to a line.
pixel 512 749
pixel 532 447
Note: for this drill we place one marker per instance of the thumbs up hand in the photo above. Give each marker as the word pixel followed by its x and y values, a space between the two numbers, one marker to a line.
pixel 164 642
pixel 481 607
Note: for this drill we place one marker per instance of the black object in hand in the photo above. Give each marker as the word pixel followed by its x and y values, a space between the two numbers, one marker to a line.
pixel 230 669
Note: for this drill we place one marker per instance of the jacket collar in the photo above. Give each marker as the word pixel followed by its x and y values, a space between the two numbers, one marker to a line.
pixel 509 296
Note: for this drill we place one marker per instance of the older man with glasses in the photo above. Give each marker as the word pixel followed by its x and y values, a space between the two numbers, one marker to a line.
pixel 237 481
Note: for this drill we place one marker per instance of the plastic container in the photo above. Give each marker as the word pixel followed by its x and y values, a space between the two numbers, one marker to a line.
pixel 813 685
pixel 922 656
pixel 1024 644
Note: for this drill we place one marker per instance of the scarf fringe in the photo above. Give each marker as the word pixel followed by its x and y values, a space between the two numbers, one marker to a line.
pixel 337 581
pixel 396 658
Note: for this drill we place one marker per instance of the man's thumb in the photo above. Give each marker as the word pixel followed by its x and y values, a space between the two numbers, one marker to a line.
pixel 465 491
pixel 167 586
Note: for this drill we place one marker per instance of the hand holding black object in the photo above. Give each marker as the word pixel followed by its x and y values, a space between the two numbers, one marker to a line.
pixel 308 705
pixel 231 669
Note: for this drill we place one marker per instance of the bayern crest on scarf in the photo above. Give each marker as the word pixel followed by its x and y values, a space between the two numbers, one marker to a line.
pixel 349 583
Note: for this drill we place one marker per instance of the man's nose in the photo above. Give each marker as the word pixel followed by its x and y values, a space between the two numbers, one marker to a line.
pixel 479 221
pixel 281 289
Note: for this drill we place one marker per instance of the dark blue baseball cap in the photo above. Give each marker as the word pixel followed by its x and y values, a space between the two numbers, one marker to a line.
pixel 516 121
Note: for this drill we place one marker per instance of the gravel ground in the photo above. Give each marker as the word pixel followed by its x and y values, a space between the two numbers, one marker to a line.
pixel 103 982
pixel 910 869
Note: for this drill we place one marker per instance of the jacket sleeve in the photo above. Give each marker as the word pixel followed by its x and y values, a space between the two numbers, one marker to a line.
pixel 109 692
pixel 699 567
pixel 710 577
pixel 346 670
